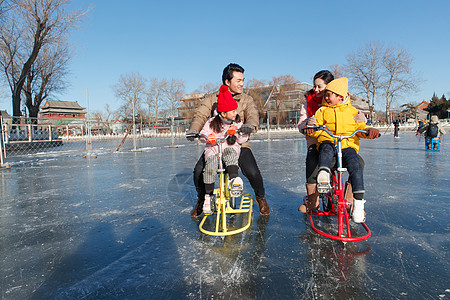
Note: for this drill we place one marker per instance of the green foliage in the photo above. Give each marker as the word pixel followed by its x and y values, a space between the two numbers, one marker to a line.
pixel 409 110
pixel 439 106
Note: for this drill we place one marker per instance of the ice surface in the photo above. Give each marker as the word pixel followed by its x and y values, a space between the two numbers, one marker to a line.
pixel 118 227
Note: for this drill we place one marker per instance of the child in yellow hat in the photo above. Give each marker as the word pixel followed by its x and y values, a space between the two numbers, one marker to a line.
pixel 338 115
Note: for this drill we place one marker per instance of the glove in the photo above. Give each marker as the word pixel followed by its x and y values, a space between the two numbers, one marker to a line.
pixel 231 140
pixel 211 139
pixel 312 120
pixel 232 130
pixel 373 133
pixel 191 132
pixel 247 128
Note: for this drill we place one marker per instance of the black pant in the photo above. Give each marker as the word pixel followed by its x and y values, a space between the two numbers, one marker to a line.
pixel 248 166
pixel 350 160
pixel 312 161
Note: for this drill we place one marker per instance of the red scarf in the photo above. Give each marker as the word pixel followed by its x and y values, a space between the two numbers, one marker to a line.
pixel 313 104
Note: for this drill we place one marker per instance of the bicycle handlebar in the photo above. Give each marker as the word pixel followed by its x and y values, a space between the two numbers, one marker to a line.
pixel 338 136
pixel 204 137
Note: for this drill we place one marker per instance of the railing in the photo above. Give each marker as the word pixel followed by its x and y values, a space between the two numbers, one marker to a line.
pixel 27 136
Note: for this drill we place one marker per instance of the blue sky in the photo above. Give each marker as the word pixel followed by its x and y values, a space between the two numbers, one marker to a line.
pixel 194 40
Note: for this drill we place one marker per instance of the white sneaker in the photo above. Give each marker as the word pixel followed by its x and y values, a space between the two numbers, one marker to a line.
pixel 236 187
pixel 358 214
pixel 323 182
pixel 207 205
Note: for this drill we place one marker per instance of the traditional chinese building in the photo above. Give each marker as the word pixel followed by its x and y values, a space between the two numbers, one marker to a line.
pixel 61 111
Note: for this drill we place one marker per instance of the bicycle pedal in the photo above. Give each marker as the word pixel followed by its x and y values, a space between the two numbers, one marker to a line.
pixel 323 188
pixel 236 187
pixel 236 193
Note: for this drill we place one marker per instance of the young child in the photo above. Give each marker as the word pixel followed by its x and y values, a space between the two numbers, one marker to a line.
pixel 338 115
pixel 217 127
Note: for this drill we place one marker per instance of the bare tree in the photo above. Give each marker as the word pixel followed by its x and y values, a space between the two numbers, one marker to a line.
pixel 131 90
pixel 46 76
pixel 173 92
pixel 397 77
pixel 155 97
pixel 207 88
pixel 283 85
pixel 363 68
pixel 30 25
pixel 259 90
pixel 109 116
pixel 337 70
pixel 103 118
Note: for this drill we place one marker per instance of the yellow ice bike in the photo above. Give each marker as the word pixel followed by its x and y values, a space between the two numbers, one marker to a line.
pixel 225 200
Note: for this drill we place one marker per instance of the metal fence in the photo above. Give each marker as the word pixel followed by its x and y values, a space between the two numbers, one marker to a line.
pixel 25 136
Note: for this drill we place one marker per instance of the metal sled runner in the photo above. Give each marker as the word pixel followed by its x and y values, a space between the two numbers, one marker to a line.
pixel 225 202
pixel 333 203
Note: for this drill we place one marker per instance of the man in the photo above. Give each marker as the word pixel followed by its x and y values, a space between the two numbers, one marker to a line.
pixel 233 77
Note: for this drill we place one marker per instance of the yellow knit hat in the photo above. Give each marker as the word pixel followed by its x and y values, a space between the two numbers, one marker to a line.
pixel 338 86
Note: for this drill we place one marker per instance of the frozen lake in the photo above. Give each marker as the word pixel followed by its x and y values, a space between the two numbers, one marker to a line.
pixel 118 227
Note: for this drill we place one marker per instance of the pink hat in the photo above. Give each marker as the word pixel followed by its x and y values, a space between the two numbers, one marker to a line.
pixel 225 101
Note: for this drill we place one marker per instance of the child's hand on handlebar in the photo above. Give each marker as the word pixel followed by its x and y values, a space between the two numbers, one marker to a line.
pixel 373 133
pixel 232 130
pixel 211 139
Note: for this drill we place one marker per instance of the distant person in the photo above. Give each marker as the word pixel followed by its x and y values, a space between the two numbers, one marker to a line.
pixel 396 125
pixel 338 115
pixel 226 121
pixel 433 131
pixel 419 128
pixel 233 77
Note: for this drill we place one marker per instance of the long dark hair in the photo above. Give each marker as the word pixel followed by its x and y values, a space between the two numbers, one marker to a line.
pixel 325 75
pixel 216 123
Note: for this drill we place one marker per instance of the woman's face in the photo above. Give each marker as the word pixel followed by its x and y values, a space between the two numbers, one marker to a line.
pixel 319 87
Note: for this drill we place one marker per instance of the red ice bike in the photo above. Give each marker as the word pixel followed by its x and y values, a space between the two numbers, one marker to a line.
pixel 334 203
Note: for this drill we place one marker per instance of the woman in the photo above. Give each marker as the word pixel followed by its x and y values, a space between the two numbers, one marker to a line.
pixel 313 102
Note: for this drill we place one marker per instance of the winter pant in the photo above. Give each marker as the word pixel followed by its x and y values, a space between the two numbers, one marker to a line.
pixel 312 161
pixel 248 166
pixel 230 161
pixel 350 161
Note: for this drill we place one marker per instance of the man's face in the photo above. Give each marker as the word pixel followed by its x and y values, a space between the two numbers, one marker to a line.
pixel 236 84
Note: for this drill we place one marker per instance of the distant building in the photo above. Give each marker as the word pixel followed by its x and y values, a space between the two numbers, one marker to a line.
pixel 189 104
pixel 423 105
pixel 420 110
pixel 288 99
pixel 5 117
pixel 61 111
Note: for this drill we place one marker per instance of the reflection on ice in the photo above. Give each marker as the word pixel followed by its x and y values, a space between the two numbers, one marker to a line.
pixel 118 226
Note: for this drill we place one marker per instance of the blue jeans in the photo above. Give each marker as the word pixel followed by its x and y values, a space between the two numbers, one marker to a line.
pixel 350 160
